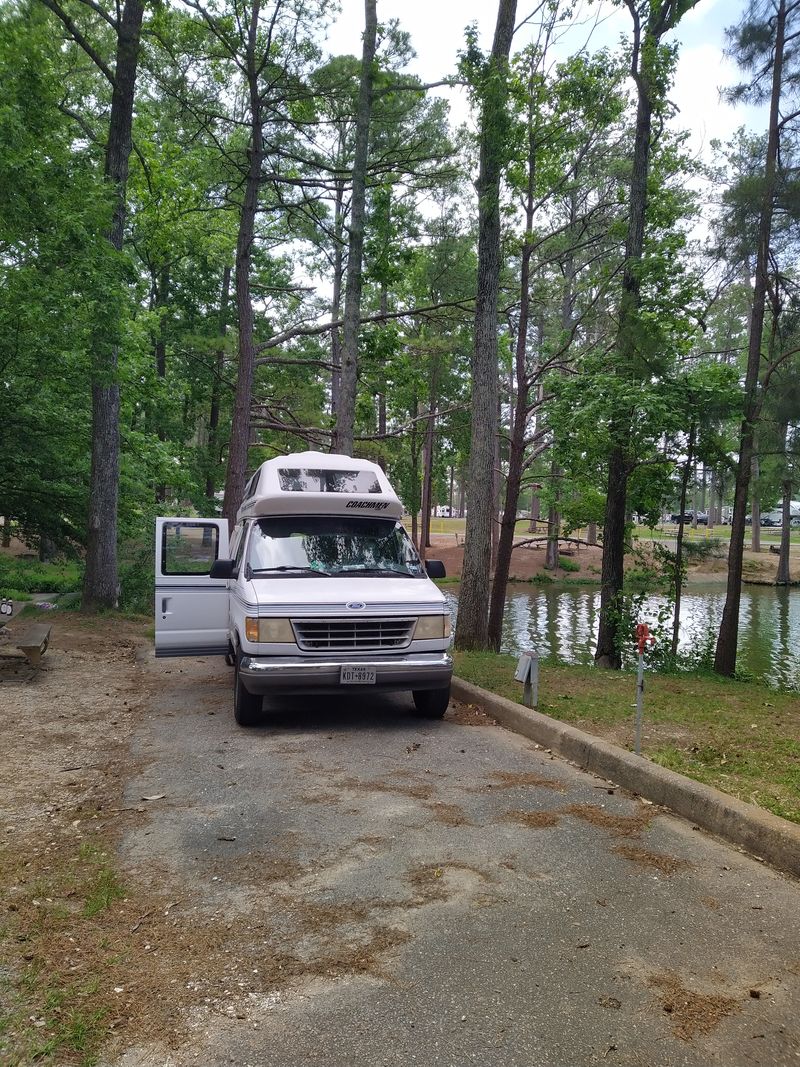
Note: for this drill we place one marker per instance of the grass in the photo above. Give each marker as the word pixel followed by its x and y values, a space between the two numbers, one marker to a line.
pixel 14 594
pixel 30 576
pixel 568 564
pixel 55 1014
pixel 740 737
pixel 770 535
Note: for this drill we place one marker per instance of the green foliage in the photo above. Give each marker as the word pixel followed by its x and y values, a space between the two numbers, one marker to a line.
pixel 30 576
pixel 568 565
pixel 51 274
pixel 137 580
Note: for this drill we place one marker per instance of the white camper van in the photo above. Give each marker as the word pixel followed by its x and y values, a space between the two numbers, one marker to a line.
pixel 319 589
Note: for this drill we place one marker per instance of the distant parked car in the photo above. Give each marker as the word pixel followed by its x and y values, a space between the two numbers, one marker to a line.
pixel 688 518
pixel 772 518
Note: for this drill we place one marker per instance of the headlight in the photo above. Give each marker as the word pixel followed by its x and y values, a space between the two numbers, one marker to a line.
pixel 432 628
pixel 269 631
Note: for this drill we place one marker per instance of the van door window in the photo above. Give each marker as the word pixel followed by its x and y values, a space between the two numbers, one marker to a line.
pixel 188 547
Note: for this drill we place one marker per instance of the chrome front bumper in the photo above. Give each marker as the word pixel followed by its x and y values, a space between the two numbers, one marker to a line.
pixel 298 674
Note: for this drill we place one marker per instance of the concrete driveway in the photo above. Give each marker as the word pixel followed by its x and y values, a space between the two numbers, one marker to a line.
pixel 405 892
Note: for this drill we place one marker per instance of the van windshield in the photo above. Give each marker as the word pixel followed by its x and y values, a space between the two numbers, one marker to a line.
pixel 331 546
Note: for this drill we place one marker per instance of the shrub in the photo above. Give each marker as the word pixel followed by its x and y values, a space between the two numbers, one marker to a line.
pixel 137 583
pixel 697 551
pixel 30 576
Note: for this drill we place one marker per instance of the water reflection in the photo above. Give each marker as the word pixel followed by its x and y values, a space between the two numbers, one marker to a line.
pixel 561 623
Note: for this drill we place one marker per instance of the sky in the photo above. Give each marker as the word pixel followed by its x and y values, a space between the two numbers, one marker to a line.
pixel 437 27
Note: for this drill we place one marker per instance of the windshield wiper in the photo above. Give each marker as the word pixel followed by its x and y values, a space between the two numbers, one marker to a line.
pixel 287 567
pixel 375 570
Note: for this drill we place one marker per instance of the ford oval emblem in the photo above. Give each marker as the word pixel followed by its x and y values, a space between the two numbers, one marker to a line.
pixel 356 605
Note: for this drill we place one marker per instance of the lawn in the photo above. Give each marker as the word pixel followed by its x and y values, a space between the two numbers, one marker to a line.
pixel 740 737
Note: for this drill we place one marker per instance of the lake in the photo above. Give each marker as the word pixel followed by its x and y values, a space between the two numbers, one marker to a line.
pixel 560 621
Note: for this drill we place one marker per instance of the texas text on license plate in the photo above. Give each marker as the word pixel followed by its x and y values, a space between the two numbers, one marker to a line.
pixel 357 676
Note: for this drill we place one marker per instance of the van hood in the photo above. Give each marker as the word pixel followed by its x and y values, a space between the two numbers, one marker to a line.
pixel 344 596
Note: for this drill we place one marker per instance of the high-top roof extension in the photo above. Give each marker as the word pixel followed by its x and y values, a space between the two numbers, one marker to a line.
pixel 317 483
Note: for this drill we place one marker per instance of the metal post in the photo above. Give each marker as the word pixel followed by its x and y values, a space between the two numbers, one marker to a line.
pixel 637 739
pixel 528 673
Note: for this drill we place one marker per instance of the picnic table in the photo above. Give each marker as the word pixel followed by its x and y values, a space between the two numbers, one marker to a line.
pixel 30 641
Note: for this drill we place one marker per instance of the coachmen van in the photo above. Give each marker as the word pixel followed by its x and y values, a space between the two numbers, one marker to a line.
pixel 319 590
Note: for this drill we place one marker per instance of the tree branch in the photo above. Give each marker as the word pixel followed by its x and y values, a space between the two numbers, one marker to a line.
pixel 314 331
pixel 80 40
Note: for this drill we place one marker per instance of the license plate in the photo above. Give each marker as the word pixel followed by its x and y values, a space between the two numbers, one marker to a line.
pixel 357 676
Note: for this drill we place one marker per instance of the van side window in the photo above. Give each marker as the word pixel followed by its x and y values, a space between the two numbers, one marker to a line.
pixel 188 547
pixel 239 538
pixel 250 488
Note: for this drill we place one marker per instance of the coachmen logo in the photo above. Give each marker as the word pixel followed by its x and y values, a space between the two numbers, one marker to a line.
pixel 373 505
pixel 356 605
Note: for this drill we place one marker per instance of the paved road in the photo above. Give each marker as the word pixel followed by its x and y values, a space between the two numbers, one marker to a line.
pixel 444 895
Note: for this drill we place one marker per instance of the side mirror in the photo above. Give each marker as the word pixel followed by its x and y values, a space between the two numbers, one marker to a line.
pixel 435 568
pixel 223 568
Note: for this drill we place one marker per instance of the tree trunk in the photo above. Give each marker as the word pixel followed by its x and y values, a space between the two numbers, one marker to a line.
pixel 678 585
pixel 427 481
pixel 728 639
pixel 346 412
pixel 536 510
pixel 101 582
pixel 381 397
pixel 160 357
pixel 553 529
pixel 496 486
pixel 755 507
pixel 413 503
pixel 212 459
pixel 516 466
pixel 608 639
pixel 783 576
pixel 160 349
pixel 238 448
pixel 472 628
pixel 608 653
pixel 336 298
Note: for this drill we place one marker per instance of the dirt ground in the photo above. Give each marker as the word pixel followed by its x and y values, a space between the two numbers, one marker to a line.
pixel 529 561
pixel 526 562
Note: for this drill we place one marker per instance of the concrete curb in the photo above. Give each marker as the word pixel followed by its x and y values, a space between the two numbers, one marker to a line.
pixel 758 832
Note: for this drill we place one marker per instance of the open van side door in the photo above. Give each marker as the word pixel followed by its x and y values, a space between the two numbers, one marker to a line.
pixel 191 607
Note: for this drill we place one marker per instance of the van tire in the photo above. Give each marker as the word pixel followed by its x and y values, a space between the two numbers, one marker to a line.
pixel 247 706
pixel 432 703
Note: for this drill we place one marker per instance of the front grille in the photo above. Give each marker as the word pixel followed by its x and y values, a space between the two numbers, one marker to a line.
pixel 345 635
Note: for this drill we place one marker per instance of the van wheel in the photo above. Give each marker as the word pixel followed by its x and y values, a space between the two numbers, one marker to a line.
pixel 432 703
pixel 246 705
